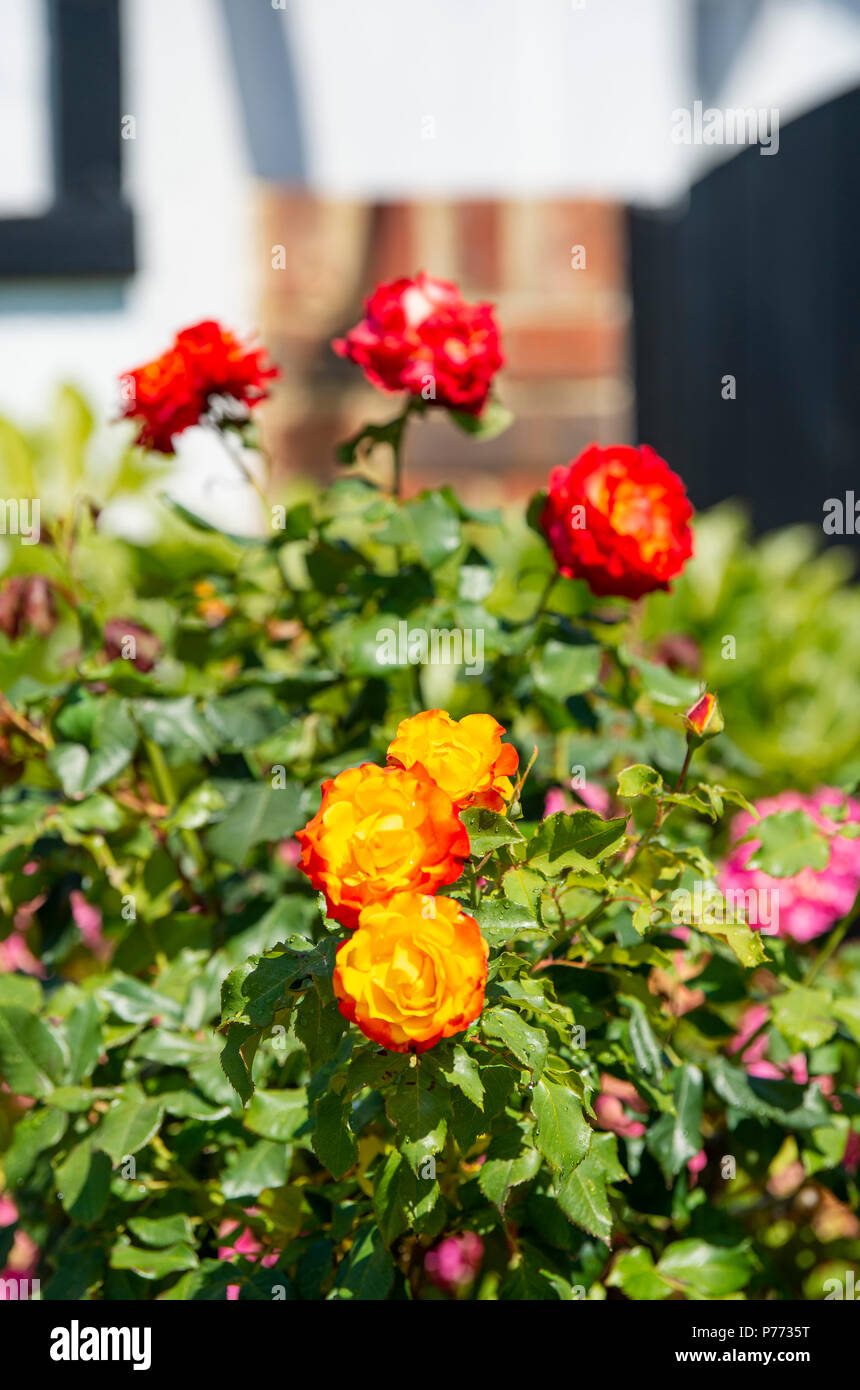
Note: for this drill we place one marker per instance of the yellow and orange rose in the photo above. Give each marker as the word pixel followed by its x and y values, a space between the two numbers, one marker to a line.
pixel 413 973
pixel 379 831
pixel 465 757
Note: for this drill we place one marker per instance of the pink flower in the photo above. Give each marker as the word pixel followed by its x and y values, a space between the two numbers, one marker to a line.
pixel 695 1166
pixel 289 853
pixel 594 797
pixel 245 1243
pixel 23 1259
pixel 813 899
pixel 88 920
pixel 15 954
pixel 609 1107
pixel 453 1264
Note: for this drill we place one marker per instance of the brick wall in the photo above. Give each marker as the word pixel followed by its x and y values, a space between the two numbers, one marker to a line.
pixel 565 330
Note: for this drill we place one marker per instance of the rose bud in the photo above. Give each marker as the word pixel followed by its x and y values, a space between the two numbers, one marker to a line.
pixel 27 605
pixel 131 642
pixel 704 719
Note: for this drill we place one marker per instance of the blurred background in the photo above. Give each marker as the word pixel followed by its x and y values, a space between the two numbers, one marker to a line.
pixel 266 162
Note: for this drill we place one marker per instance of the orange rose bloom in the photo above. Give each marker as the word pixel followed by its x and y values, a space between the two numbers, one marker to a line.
pixel 465 757
pixel 380 830
pixel 413 973
pixel 618 518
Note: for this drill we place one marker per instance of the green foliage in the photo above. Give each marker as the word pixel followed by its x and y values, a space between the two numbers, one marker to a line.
pixel 193 1073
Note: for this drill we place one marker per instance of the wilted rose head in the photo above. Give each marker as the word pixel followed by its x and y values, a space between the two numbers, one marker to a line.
pixel 131 642
pixel 27 605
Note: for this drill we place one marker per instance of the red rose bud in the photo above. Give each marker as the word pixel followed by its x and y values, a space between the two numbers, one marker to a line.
pixel 704 719
pixel 421 336
pixel 172 393
pixel 27 605
pixel 617 517
pixel 131 642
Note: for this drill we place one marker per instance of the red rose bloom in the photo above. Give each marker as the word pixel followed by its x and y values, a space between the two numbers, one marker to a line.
pixel 171 393
pixel 617 518
pixel 422 337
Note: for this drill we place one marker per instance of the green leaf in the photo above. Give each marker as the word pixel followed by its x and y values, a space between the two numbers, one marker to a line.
pixel 129 1124
pixel 31 1061
pixel 333 1140
pixel 368 1273
pixel 677 1137
pixel 789 841
pixel 574 840
pixel 501 920
pixel 562 670
pixel 646 1048
pixel 176 726
pixel 487 830
pixel 21 990
pixel 114 739
pixel 83 1183
pixel 562 1133
pixel 510 1161
pixel 259 814
pixel 784 1102
pixel 639 780
pixel 804 1017
pixel 708 1271
pixel 320 1025
pixel 528 1044
pixel 83 1040
pixel 37 1131
pixel 663 685
pixel 256 989
pixel 233 1061
pixel 465 1073
pixel 419 1111
pixel 153 1264
pixel 277 1115
pixel 493 420
pixel 161 1231
pixel 253 1169
pixel 583 1195
pixel 634 1274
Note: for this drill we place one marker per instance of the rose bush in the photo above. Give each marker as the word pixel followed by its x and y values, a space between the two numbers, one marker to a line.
pixel 334 977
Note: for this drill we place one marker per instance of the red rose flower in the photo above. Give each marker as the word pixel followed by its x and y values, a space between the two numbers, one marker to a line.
pixel 171 393
pixel 617 518
pixel 422 337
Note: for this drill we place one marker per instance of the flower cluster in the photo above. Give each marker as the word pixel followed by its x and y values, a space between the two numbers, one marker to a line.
pixel 172 393
pixel 381 845
pixel 421 336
